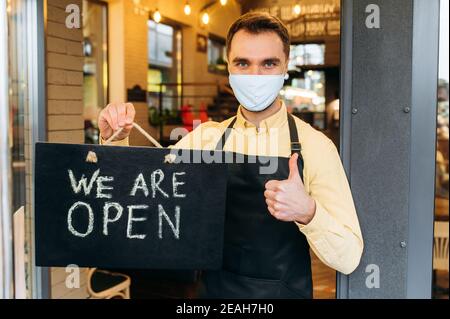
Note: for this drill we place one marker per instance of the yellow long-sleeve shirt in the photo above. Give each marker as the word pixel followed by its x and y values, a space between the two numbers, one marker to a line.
pixel 334 233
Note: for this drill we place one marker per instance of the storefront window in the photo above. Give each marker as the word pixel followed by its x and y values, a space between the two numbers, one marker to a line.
pixel 160 44
pixel 306 54
pixel 217 55
pixel 165 71
pixel 95 70
pixel 304 94
pixel 305 97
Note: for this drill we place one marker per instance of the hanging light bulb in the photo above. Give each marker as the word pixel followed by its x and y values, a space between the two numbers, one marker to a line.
pixel 187 9
pixel 136 6
pixel 205 18
pixel 223 2
pixel 157 16
pixel 297 9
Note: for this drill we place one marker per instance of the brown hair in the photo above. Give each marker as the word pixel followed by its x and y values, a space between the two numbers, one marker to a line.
pixel 258 22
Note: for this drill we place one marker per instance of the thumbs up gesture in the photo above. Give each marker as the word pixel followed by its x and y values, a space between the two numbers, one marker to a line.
pixel 287 200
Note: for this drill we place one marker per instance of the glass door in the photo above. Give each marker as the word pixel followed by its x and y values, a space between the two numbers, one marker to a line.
pixel 441 214
pixel 21 85
pixel 6 255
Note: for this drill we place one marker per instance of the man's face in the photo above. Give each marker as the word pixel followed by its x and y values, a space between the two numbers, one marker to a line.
pixel 257 54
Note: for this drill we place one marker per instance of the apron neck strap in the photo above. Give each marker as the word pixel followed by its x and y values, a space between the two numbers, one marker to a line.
pixel 225 135
pixel 296 147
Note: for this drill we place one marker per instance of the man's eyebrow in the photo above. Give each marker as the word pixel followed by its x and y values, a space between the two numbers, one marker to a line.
pixel 266 60
pixel 272 60
pixel 239 59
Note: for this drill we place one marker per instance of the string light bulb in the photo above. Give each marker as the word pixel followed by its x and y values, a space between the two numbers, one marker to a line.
pixel 223 2
pixel 297 9
pixel 205 18
pixel 157 16
pixel 187 9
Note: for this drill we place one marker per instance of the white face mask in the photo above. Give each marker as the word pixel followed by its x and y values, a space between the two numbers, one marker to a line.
pixel 256 92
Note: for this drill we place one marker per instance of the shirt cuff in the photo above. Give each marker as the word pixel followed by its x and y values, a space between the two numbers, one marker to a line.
pixel 123 142
pixel 318 224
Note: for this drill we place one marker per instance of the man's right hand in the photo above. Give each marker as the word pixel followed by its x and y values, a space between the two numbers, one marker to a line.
pixel 115 116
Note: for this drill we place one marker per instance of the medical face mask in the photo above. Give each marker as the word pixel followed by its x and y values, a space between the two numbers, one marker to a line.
pixel 256 92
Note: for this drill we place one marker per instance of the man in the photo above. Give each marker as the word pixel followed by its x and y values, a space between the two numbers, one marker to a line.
pixel 273 219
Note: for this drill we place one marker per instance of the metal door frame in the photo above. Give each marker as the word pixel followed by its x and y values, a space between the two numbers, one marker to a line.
pixel 6 247
pixel 425 49
pixel 34 11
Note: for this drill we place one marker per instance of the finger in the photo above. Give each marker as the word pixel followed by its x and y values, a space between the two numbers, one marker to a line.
pixel 105 124
pixel 125 131
pixel 280 207
pixel 130 113
pixel 281 197
pixel 281 216
pixel 269 194
pixel 103 118
pixel 270 203
pixel 276 206
pixel 293 167
pixel 121 114
pixel 276 196
pixel 113 114
pixel 105 129
pixel 127 127
pixel 271 210
pixel 272 185
pixel 277 214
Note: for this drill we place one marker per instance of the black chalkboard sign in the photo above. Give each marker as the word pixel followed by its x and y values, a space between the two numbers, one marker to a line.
pixel 127 207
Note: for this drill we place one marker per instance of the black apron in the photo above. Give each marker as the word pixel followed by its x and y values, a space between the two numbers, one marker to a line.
pixel 263 257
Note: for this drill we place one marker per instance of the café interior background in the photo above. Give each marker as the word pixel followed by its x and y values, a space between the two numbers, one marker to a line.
pixel 168 58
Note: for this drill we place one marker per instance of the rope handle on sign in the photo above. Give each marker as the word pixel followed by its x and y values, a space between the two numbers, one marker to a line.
pixel 92 157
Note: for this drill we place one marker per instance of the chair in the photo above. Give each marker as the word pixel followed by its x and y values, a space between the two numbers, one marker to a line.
pixel 103 284
pixel 440 252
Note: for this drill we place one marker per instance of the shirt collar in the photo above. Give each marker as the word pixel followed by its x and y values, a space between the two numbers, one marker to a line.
pixel 276 120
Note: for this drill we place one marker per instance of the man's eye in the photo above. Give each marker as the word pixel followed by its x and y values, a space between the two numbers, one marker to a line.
pixel 269 65
pixel 242 64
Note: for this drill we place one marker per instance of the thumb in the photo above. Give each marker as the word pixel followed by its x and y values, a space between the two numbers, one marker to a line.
pixel 293 167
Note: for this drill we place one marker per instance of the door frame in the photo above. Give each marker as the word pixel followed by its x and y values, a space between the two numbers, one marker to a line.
pixel 35 57
pixel 424 61
pixel 6 247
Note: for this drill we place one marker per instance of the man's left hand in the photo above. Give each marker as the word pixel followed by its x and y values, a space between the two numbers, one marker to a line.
pixel 287 200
